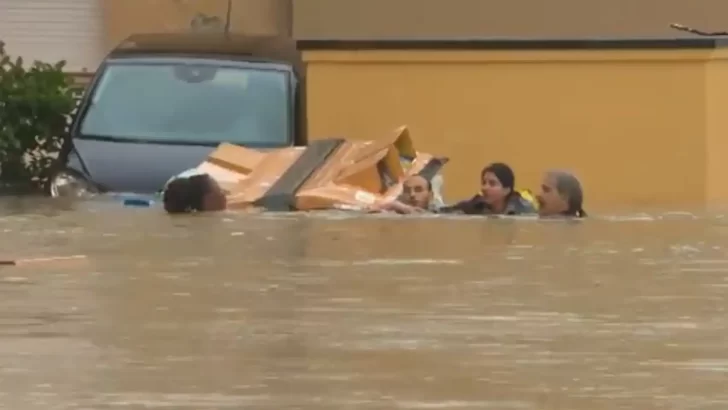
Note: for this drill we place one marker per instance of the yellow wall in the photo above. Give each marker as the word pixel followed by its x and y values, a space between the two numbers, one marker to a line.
pixel 717 125
pixel 640 128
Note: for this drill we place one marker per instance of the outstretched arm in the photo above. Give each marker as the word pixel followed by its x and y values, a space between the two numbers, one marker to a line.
pixel 395 206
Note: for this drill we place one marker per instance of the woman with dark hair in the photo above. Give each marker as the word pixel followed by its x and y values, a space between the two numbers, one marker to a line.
pixel 561 195
pixel 195 193
pixel 497 196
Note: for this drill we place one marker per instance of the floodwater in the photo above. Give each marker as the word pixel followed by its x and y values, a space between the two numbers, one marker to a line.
pixel 346 312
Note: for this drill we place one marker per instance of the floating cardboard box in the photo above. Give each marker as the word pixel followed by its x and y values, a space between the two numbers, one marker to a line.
pixel 326 174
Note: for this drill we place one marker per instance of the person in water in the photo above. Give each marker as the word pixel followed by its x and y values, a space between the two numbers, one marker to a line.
pixel 560 195
pixel 497 196
pixel 417 192
pixel 417 196
pixel 194 193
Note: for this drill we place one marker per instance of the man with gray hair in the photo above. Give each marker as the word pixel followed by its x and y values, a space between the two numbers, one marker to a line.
pixel 561 195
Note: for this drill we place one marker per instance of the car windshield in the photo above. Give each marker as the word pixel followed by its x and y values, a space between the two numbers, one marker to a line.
pixel 190 103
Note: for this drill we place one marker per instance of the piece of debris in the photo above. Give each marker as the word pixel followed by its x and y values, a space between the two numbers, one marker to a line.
pixel 30 261
pixel 680 27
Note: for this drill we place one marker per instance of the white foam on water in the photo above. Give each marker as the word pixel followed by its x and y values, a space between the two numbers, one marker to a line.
pixel 686 215
pixel 182 400
pixel 16 279
pixel 704 270
pixel 460 404
pixel 712 365
pixel 629 218
pixel 408 262
pixel 392 262
pixel 705 262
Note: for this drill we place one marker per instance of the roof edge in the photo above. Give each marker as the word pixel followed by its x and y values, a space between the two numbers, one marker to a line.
pixel 514 44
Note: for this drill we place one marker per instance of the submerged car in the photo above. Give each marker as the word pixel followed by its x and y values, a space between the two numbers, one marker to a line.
pixel 161 103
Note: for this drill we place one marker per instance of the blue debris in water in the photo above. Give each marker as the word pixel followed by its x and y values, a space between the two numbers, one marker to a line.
pixel 138 202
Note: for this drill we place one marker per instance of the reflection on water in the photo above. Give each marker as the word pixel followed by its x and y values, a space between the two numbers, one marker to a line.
pixel 346 312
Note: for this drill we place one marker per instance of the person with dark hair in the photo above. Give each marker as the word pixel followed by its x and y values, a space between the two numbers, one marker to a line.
pixel 561 195
pixel 194 193
pixel 497 196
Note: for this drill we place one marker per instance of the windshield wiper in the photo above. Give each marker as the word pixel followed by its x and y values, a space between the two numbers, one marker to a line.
pixel 133 140
pixel 214 144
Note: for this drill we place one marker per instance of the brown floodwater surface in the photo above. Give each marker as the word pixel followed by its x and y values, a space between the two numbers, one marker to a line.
pixel 340 311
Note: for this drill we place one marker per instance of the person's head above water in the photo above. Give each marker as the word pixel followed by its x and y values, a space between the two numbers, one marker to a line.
pixel 417 191
pixel 196 193
pixel 561 195
pixel 497 185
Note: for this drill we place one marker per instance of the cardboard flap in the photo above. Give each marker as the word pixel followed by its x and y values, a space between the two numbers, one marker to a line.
pixel 360 156
pixel 267 172
pixel 389 149
pixel 235 158
pixel 399 140
pixel 404 144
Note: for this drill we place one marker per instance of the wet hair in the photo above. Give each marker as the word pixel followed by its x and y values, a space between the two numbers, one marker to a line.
pixel 504 173
pixel 186 194
pixel 569 187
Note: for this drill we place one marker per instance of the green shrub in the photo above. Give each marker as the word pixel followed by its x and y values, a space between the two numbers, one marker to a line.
pixel 36 101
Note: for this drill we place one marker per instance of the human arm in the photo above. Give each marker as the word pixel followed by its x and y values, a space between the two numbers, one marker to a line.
pixel 395 206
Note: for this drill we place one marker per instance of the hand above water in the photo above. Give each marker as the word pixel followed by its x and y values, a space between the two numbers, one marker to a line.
pixel 394 206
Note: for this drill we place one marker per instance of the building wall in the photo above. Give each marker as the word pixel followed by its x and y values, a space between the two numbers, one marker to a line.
pixel 335 19
pixel 638 127
pixel 499 18
pixel 717 131
pixel 126 17
pixel 54 30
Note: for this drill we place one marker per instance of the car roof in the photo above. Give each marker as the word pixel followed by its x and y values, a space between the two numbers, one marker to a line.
pixel 216 45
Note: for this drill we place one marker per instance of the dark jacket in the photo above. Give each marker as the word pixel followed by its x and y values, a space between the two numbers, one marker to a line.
pixel 516 205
